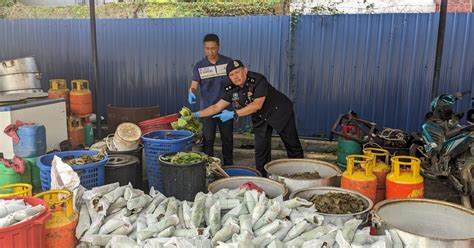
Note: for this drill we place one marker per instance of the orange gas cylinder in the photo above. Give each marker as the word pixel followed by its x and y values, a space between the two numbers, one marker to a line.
pixel 58 89
pixel 61 227
pixel 405 180
pixel 80 98
pixel 75 131
pixel 359 177
pixel 380 170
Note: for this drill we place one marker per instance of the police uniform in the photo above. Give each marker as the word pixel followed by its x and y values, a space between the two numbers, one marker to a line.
pixel 275 114
pixel 212 79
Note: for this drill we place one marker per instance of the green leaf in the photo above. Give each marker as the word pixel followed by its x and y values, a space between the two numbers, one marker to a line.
pixel 182 122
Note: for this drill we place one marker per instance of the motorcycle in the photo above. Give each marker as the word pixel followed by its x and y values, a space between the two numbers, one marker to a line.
pixel 448 146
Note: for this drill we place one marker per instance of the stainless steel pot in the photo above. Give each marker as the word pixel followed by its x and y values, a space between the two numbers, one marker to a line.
pixel 19 76
pixel 426 222
pixel 277 170
pixel 337 218
pixel 271 188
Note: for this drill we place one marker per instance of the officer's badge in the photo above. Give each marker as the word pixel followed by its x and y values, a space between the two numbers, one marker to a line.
pixel 249 96
pixel 235 96
pixel 236 64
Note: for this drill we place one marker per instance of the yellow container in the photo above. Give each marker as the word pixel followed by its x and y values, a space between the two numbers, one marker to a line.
pixel 58 89
pixel 381 169
pixel 17 189
pixel 60 228
pixel 360 178
pixel 405 181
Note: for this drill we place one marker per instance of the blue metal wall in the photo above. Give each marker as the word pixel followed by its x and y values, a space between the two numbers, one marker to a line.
pixel 145 62
pixel 457 69
pixel 378 65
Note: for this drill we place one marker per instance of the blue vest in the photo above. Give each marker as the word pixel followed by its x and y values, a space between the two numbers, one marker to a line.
pixel 212 79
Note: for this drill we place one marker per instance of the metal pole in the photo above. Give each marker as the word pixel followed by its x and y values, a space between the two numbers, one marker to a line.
pixel 96 67
pixel 439 48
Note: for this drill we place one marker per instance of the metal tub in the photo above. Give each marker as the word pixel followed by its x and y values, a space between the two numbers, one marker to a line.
pixel 277 168
pixel 427 223
pixel 271 188
pixel 19 76
pixel 336 218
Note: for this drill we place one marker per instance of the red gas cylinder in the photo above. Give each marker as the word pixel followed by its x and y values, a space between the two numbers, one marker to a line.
pixel 75 132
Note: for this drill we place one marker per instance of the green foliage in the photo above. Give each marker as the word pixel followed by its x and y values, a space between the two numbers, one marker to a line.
pixel 185 158
pixel 7 3
pixel 143 9
pixel 187 122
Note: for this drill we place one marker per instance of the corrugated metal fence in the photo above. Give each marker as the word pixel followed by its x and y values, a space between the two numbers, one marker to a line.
pixel 378 65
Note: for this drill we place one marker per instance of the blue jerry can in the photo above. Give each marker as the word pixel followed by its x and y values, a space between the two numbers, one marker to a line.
pixel 32 141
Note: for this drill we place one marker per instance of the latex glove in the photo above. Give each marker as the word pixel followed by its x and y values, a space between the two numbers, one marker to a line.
pixel 191 98
pixel 196 114
pixel 225 115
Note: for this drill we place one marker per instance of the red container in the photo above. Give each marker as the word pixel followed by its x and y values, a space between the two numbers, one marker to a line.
pixel 28 234
pixel 160 123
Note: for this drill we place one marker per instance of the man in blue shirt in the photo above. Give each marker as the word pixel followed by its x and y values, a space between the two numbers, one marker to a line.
pixel 209 76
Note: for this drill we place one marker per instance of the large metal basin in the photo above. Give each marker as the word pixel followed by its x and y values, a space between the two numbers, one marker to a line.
pixel 337 218
pixel 271 188
pixel 427 223
pixel 19 76
pixel 277 168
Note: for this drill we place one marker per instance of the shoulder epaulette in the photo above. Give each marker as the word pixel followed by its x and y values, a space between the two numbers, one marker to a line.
pixel 230 87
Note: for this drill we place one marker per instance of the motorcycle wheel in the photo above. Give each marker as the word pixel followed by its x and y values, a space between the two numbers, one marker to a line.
pixel 467 176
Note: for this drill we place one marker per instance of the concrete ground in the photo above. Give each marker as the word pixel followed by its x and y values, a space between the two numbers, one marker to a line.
pixel 326 151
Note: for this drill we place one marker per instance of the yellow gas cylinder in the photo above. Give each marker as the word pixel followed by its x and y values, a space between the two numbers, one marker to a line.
pixel 380 170
pixel 359 177
pixel 404 181
pixel 60 228
pixel 16 189
pixel 75 131
pixel 80 98
pixel 58 89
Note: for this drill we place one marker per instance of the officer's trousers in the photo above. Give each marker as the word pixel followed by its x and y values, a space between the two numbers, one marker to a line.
pixel 226 130
pixel 263 143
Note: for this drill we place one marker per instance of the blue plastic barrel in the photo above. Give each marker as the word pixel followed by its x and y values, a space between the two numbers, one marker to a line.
pixel 32 141
pixel 235 171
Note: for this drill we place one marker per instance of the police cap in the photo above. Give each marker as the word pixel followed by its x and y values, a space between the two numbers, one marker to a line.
pixel 232 65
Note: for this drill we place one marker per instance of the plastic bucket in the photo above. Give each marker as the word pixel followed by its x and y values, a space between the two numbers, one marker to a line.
pixel 127 137
pixel 160 142
pixel 138 153
pixel 183 181
pixel 121 168
pixel 235 171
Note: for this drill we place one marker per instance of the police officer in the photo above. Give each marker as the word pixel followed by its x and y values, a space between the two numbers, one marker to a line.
pixel 209 75
pixel 270 109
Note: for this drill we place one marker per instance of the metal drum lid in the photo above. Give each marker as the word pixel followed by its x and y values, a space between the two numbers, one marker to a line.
pixel 119 160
